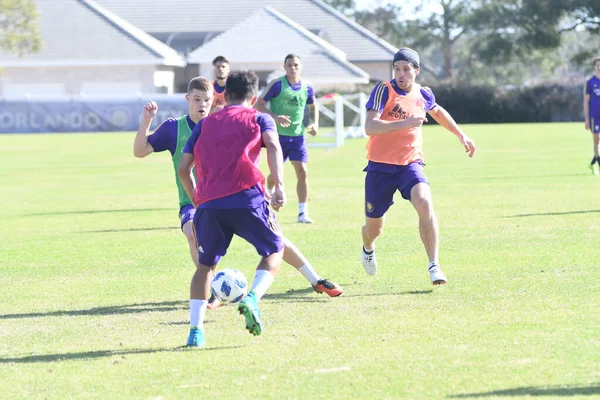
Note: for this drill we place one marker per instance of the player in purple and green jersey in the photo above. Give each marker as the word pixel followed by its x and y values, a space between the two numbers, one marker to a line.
pixel 591 110
pixel 172 135
pixel 288 96
pixel 221 71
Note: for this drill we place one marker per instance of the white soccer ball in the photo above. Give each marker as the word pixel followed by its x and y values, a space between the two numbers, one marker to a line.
pixel 229 286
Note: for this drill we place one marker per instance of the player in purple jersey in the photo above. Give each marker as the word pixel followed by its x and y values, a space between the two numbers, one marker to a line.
pixel 591 110
pixel 291 255
pixel 231 200
pixel 287 97
pixel 221 70
pixel 172 135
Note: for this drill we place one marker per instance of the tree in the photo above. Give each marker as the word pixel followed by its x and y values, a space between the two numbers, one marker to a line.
pixel 509 28
pixel 19 32
pixel 343 6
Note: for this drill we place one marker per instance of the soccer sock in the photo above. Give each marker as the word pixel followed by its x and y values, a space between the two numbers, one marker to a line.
pixel 197 312
pixel 433 264
pixel 309 273
pixel 594 160
pixel 262 280
pixel 302 208
pixel 370 251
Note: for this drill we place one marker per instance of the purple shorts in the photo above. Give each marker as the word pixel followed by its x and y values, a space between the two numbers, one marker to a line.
pixel 294 148
pixel 381 186
pixel 215 227
pixel 186 213
pixel 595 125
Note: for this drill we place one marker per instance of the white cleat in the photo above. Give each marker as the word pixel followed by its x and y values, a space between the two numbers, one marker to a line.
pixel 304 219
pixel 369 263
pixel 437 276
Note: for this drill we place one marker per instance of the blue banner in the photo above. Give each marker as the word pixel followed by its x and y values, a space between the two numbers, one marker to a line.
pixel 84 115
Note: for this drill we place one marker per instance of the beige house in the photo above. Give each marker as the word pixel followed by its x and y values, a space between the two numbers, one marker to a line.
pixel 188 25
pixel 87 50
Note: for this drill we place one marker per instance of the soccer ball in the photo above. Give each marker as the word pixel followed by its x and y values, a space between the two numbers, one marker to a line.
pixel 229 286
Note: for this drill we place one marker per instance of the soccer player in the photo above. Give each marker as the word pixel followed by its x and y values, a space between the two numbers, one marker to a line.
pixel 395 112
pixel 287 98
pixel 291 255
pixel 221 70
pixel 225 150
pixel 591 110
pixel 172 135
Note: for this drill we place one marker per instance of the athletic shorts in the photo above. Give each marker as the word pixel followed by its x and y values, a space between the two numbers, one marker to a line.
pixel 214 228
pixel 186 213
pixel 294 148
pixel 381 186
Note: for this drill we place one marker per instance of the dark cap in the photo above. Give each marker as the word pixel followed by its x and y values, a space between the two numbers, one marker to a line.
pixel 406 54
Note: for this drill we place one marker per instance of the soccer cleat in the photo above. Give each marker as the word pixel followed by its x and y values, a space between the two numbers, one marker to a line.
pixel 595 169
pixel 196 338
pixel 248 307
pixel 325 286
pixel 213 302
pixel 369 262
pixel 304 219
pixel 437 276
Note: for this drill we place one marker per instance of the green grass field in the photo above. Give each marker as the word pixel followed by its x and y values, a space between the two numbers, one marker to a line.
pixel 95 275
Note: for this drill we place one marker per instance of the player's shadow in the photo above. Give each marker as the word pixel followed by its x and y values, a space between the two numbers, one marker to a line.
pixel 560 391
pixel 126 210
pixel 133 229
pixel 552 214
pixel 164 306
pixel 302 295
pixel 49 358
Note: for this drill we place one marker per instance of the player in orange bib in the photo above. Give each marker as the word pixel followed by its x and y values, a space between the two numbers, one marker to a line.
pixel 221 71
pixel 395 113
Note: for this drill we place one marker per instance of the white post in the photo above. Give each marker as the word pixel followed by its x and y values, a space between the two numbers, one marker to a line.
pixel 362 105
pixel 339 121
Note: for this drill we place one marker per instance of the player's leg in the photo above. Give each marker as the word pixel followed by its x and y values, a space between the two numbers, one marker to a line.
pixel 371 230
pixel 298 154
pixel 186 215
pixel 301 169
pixel 187 227
pixel 413 186
pixel 595 164
pixel 379 196
pixel 293 256
pixel 259 227
pixel 212 241
pixel 420 197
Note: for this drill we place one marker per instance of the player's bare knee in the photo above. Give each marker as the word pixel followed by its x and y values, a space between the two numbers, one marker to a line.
pixel 373 232
pixel 423 205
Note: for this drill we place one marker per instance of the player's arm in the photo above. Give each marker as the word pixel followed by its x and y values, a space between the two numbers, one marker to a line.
pixel 586 106
pixel 313 112
pixel 270 140
pixel 443 117
pixel 374 125
pixel 261 105
pixel 141 146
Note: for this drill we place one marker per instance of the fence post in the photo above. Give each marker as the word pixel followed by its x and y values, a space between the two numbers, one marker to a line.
pixel 339 121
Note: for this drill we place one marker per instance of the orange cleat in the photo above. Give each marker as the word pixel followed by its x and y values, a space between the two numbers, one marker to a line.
pixel 325 286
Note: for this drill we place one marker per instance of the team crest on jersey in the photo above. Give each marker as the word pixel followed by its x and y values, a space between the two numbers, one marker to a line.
pixel 398 112
pixel 370 207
